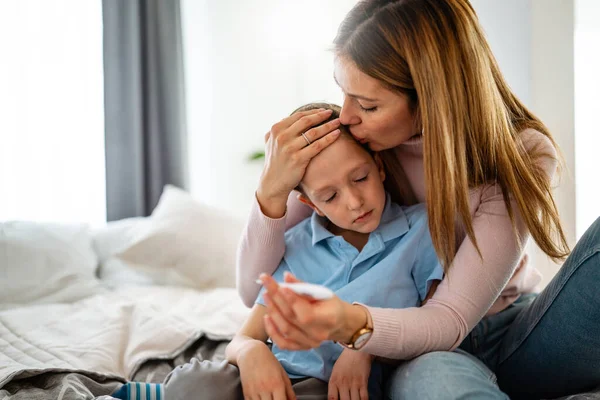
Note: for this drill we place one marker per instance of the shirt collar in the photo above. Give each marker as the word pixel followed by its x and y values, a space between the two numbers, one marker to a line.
pixel 318 225
pixel 393 223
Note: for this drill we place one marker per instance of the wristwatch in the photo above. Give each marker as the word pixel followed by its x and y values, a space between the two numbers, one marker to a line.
pixel 360 338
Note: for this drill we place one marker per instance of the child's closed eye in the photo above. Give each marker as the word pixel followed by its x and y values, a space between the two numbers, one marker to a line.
pixel 364 178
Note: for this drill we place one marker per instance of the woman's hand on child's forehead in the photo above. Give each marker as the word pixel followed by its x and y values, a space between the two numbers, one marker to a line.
pixel 288 154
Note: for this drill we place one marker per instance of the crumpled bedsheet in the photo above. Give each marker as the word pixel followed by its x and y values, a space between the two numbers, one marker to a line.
pixel 107 337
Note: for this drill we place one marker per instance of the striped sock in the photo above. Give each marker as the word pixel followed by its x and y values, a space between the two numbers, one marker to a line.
pixel 140 391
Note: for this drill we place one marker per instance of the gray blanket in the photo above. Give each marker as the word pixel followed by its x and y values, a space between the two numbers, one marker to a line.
pixel 85 386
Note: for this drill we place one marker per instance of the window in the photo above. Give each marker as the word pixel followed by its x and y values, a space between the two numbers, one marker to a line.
pixel 51 111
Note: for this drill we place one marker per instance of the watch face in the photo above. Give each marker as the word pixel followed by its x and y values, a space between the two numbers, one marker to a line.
pixel 362 340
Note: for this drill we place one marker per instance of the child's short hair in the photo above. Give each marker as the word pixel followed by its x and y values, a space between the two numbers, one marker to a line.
pixel 315 106
pixel 335 114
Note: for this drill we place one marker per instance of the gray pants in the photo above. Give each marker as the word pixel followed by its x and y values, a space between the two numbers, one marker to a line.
pixel 208 380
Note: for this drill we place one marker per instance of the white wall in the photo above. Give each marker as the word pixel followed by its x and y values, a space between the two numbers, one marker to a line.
pixel 553 90
pixel 511 47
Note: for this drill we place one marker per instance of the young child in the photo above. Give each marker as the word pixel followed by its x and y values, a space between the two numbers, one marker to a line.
pixel 358 244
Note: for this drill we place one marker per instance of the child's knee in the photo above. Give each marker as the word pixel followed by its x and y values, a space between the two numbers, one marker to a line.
pixel 207 379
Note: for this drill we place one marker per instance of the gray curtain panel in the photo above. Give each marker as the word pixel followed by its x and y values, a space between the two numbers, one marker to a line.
pixel 144 102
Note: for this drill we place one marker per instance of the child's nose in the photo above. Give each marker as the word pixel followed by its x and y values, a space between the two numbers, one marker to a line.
pixel 355 201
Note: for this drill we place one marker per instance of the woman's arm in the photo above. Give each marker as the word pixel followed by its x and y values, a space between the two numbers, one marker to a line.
pixel 262 245
pixel 463 297
pixel 460 301
pixel 472 284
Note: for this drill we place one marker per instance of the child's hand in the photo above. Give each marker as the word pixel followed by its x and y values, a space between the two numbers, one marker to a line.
pixel 350 376
pixel 262 375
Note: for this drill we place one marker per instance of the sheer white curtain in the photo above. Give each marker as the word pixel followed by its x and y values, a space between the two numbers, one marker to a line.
pixel 51 111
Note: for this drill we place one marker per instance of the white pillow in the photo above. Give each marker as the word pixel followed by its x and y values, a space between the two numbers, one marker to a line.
pixel 110 240
pixel 185 243
pixel 116 236
pixel 45 263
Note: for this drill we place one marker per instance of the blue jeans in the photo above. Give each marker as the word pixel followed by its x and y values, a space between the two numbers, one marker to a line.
pixel 542 346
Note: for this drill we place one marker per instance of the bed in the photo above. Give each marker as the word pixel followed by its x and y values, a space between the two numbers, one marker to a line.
pixel 83 310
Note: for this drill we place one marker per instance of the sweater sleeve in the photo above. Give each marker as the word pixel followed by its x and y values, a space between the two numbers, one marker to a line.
pixel 262 245
pixel 471 285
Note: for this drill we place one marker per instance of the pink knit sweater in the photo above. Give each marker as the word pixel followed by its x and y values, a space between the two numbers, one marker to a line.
pixel 471 289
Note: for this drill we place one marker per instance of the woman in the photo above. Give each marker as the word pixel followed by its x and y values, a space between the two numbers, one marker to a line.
pixel 422 87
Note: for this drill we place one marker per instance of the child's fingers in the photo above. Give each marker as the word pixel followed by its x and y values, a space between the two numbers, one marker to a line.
pixel 344 393
pixel 279 393
pixel 332 391
pixel 289 390
pixel 364 393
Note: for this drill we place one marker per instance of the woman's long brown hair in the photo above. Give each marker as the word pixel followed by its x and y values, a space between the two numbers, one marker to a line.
pixel 435 52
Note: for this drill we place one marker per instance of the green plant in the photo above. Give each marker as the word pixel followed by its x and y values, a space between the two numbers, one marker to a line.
pixel 257 155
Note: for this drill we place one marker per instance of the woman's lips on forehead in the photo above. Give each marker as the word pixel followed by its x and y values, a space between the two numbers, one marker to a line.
pixel 359 139
pixel 356 136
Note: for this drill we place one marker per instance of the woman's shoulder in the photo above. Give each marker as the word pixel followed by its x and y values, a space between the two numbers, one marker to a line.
pixel 537 143
pixel 541 150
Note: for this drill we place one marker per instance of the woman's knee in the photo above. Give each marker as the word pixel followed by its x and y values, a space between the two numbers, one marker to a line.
pixel 589 243
pixel 582 267
pixel 595 228
pixel 444 375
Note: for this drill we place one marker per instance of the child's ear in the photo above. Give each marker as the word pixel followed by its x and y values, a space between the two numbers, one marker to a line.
pixel 379 163
pixel 306 200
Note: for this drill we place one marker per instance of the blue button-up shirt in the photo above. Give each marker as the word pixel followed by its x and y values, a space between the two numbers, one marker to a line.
pixel 393 270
